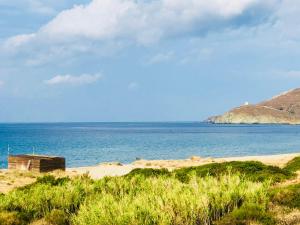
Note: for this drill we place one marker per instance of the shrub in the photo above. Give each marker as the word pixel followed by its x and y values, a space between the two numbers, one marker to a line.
pixel 293 165
pixel 51 180
pixel 9 218
pixel 167 201
pixel 144 197
pixel 246 214
pixel 38 200
pixel 47 180
pixel 287 196
pixel 252 170
pixel 148 172
pixel 57 217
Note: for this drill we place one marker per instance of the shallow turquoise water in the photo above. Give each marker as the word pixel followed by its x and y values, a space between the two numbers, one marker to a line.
pixel 90 143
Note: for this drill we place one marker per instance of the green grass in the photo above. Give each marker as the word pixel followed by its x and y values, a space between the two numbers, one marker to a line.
pixel 287 196
pixel 167 201
pixel 252 170
pixel 39 199
pixel 47 180
pixel 10 218
pixel 246 214
pixel 293 165
pixel 163 200
pixel 232 193
pixel 149 172
pixel 57 217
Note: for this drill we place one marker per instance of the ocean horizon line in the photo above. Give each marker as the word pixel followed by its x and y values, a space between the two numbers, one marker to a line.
pixel 65 122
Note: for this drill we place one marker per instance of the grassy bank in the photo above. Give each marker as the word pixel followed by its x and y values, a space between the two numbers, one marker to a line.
pixel 226 193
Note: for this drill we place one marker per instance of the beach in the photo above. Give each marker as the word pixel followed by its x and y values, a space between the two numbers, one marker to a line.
pixel 264 186
pixel 13 179
pixel 117 169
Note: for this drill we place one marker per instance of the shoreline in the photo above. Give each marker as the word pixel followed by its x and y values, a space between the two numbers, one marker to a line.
pixel 11 179
pixel 116 169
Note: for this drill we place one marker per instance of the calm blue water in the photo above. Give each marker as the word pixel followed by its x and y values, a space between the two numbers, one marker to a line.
pixel 90 143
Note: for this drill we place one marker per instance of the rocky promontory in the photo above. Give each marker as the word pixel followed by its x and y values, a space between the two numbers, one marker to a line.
pixel 281 109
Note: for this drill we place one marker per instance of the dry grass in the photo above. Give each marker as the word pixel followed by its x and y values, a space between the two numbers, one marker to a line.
pixel 40 222
pixel 285 215
pixel 14 179
pixel 11 179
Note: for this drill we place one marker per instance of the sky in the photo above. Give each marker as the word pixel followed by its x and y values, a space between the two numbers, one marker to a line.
pixel 143 60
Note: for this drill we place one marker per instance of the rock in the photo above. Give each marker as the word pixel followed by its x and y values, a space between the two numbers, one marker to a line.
pixel 281 109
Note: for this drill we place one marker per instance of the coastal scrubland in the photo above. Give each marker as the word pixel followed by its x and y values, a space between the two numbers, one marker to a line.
pixel 232 193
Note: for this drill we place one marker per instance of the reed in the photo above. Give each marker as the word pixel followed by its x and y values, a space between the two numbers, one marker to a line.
pixel 167 201
pixel 39 199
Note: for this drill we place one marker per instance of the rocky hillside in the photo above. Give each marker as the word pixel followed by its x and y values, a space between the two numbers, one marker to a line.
pixel 282 109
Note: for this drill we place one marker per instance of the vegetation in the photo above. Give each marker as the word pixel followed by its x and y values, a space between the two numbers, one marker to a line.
pixel 234 193
pixel 252 170
pixel 57 217
pixel 287 196
pixel 246 213
pixel 9 218
pixel 168 201
pixel 293 165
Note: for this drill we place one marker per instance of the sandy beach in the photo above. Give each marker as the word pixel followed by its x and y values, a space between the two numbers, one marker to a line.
pixel 12 179
pixel 116 169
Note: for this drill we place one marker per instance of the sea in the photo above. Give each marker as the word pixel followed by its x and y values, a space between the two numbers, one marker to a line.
pixel 85 144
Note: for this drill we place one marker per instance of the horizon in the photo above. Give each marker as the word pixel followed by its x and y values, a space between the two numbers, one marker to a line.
pixel 47 122
pixel 144 61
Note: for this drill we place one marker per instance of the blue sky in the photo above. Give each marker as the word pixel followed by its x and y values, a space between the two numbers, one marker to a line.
pixel 143 60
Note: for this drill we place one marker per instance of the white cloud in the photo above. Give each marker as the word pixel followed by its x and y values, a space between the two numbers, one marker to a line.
pixel 18 40
pixel 133 85
pixel 144 22
pixel 160 58
pixel 73 80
